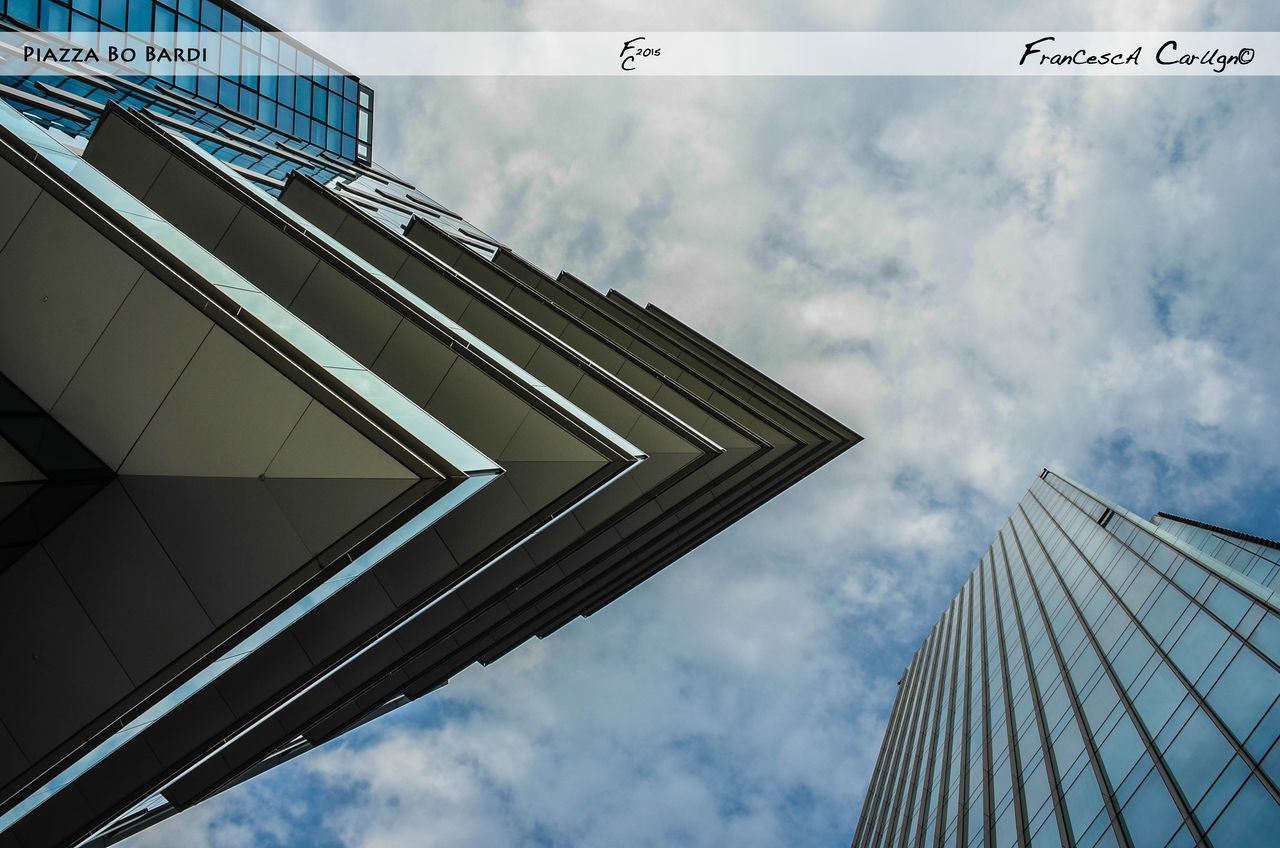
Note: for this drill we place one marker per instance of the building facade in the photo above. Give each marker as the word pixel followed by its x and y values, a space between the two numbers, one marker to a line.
pixel 1100 680
pixel 284 442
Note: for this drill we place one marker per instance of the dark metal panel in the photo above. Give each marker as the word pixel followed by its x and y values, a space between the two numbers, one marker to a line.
pixel 421 563
pixel 327 629
pixel 262 254
pixel 322 510
pixel 345 313
pixel 132 367
pixel 257 677
pixel 131 590
pixel 170 195
pixel 16 199
pixel 226 535
pixel 62 283
pixel 59 672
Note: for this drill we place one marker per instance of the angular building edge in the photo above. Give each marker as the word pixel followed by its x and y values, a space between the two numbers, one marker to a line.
pixel 594 440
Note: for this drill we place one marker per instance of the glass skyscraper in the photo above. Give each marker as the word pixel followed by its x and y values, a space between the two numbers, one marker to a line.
pixel 1100 680
pixel 284 442
pixel 248 69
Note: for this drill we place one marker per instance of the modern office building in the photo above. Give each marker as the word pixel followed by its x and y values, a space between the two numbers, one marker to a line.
pixel 1100 680
pixel 284 442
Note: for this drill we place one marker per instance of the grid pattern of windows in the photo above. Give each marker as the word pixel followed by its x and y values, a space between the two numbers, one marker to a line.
pixel 258 74
pixel 261 153
pixel 1091 685
pixel 1255 558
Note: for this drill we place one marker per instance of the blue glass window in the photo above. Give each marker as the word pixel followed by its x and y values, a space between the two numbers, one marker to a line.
pixel 229 62
pixel 1244 692
pixel 165 20
pixel 1121 751
pixel 1138 590
pixel 1159 697
pixel 207 87
pixel 1190 577
pixel 1197 645
pixel 1197 755
pixel 302 94
pixel 1267 636
pixel 1132 659
pixel 1265 734
pixel 286 86
pixel 88 7
pixel 1219 663
pixel 210 58
pixel 1228 603
pixel 348 117
pixel 210 15
pixel 1006 828
pixel 1185 708
pixel 1220 794
pixel 1251 819
pixel 26 11
pixel 1151 814
pixel 1083 801
pixel 1099 834
pixel 267 81
pixel 1099 703
pixel 54 18
pixel 140 16
pixel 1168 607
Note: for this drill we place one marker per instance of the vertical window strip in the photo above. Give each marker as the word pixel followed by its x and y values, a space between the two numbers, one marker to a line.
pixel 1037 693
pixel 1090 744
pixel 935 792
pixel 948 811
pixel 909 752
pixel 890 752
pixel 962 801
pixel 913 806
pixel 988 802
pixel 1175 792
pixel 904 710
pixel 1011 729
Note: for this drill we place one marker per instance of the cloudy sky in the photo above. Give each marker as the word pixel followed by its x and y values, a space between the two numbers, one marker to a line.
pixel 982 276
